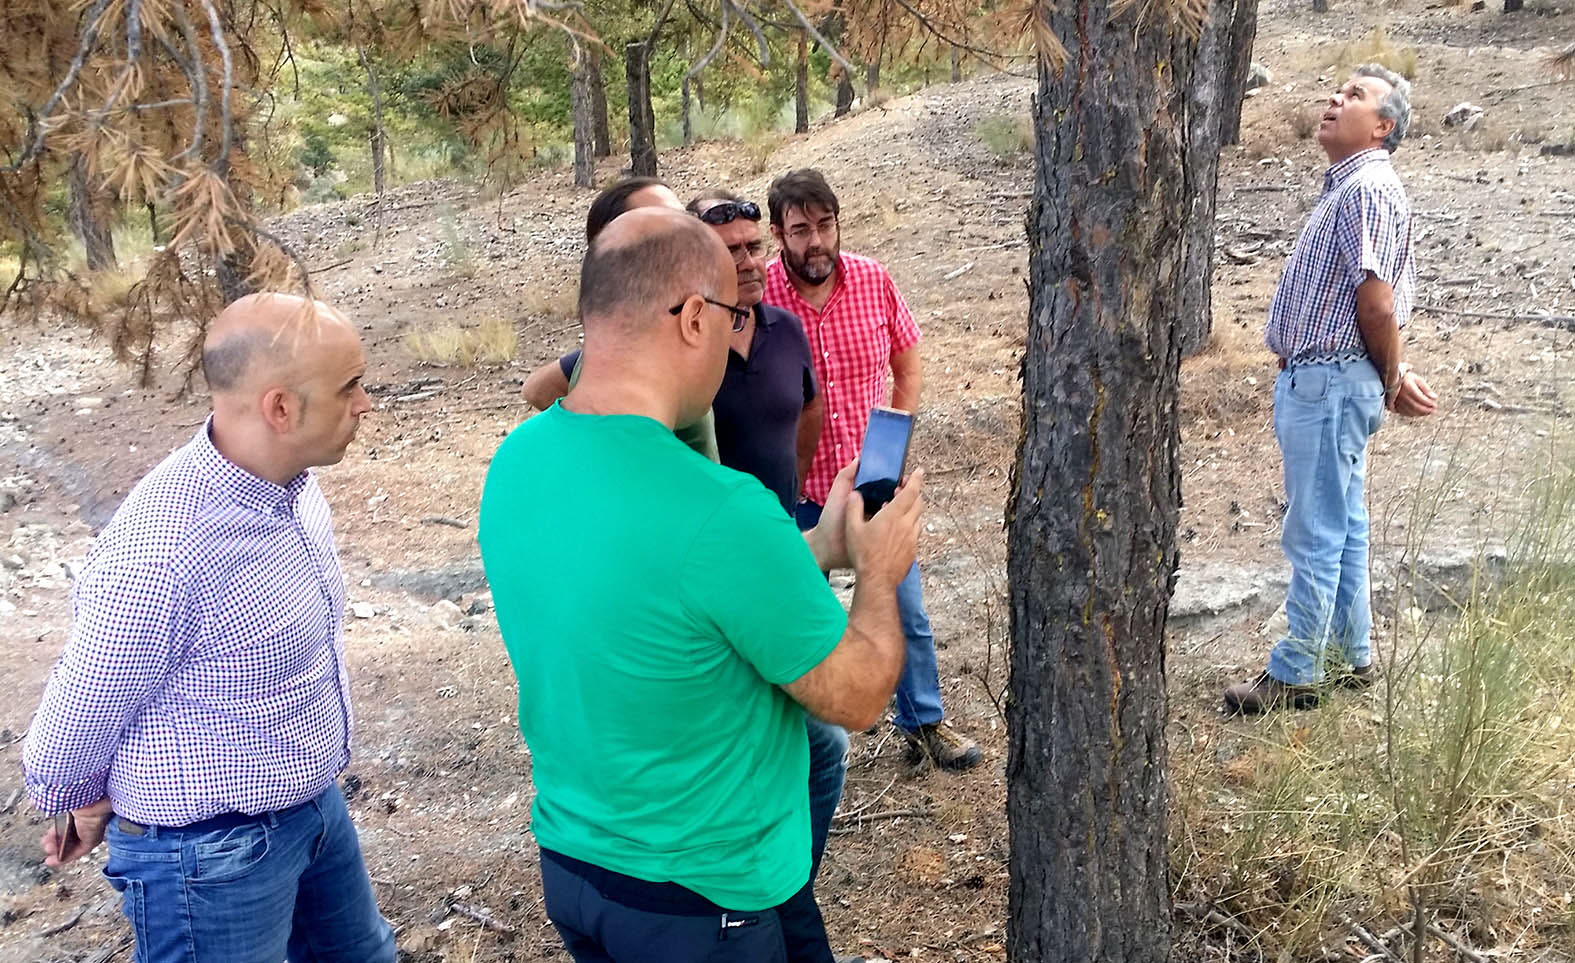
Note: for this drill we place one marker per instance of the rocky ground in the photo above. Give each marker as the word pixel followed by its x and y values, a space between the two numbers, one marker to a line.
pixel 440 786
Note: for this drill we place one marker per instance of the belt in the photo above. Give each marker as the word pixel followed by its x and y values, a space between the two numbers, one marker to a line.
pixel 212 824
pixel 1333 357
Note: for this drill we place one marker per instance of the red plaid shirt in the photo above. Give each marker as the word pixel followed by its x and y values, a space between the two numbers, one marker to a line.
pixel 852 340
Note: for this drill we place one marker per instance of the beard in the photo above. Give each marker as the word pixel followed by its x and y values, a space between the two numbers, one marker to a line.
pixel 814 266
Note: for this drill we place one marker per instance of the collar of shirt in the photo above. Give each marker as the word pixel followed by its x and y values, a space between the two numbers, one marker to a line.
pixel 1337 174
pixel 248 491
pixel 777 276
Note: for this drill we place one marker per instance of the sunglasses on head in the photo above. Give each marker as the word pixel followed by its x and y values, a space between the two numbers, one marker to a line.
pixel 729 211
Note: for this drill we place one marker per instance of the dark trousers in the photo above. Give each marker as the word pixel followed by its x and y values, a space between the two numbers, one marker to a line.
pixel 607 917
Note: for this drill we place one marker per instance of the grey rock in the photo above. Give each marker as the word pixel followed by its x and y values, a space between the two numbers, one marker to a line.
pixel 445 614
pixel 1223 588
pixel 1465 115
pixel 449 582
pixel 1258 76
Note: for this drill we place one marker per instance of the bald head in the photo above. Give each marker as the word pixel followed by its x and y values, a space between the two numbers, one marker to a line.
pixel 263 336
pixel 645 261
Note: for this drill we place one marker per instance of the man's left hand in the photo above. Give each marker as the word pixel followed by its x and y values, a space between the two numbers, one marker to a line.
pixel 1416 398
pixel 828 539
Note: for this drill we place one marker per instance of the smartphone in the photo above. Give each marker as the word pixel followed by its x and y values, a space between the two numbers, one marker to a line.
pixel 66 832
pixel 883 457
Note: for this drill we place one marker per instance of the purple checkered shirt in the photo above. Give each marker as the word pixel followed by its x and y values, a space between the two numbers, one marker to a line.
pixel 1362 223
pixel 205 669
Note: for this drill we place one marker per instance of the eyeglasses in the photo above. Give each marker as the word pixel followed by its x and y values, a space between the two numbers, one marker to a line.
pixel 740 315
pixel 729 211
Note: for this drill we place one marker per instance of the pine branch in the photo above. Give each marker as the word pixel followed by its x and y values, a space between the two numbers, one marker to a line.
pixel 754 28
pixel 216 29
pixel 820 38
pixel 38 124
pixel 716 48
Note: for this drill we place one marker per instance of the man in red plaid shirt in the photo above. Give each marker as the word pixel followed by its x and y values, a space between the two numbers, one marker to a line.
pixel 860 331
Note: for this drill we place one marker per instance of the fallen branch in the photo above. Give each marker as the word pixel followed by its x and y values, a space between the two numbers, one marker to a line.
pixel 444 520
pixel 1204 913
pixel 873 817
pixel 1555 319
pixel 1369 940
pixel 483 916
pixel 57 930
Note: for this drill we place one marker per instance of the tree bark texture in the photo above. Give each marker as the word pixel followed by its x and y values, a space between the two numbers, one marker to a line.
pixel 1238 65
pixel 683 112
pixel 602 133
pixel 1095 495
pixel 90 211
pixel 872 75
pixel 583 111
pixel 844 95
pixel 1205 105
pixel 801 86
pixel 642 119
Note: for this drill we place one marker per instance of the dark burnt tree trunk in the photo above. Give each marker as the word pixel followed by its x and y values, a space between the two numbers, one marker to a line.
pixel 1095 495
pixel 844 95
pixel 90 210
pixel 683 111
pixel 601 133
pixel 872 74
pixel 376 139
pixel 1238 65
pixel 801 86
pixel 1205 106
pixel 956 64
pixel 582 109
pixel 642 119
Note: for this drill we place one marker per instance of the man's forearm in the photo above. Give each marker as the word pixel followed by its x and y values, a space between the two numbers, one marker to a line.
pixel 1382 339
pixel 808 437
pixel 905 390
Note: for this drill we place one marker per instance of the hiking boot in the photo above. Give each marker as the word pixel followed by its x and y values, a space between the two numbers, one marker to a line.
pixel 1266 693
pixel 944 746
pixel 1361 677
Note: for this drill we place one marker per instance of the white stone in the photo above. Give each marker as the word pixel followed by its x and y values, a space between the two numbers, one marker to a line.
pixel 445 614
pixel 362 610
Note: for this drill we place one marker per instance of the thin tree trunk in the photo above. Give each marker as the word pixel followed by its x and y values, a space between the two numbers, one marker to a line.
pixel 872 75
pixel 844 95
pixel 1243 31
pixel 376 138
pixel 683 110
pixel 89 211
pixel 642 119
pixel 801 86
pixel 956 64
pixel 602 133
pixel 582 109
pixel 1205 108
pixel 1095 494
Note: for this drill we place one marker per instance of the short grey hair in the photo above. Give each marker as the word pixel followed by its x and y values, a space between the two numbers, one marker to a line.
pixel 1395 107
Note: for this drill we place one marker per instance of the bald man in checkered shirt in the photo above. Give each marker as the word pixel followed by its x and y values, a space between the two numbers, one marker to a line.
pixel 199 716
pixel 1335 324
pixel 860 333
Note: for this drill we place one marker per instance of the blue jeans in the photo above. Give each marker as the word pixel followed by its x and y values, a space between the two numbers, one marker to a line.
pixel 250 889
pixel 828 768
pixel 1323 417
pixel 919 687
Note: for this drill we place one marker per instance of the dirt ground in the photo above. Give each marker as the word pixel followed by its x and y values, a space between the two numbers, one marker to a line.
pixel 440 778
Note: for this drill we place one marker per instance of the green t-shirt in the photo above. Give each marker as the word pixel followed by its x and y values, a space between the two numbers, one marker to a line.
pixel 701 436
pixel 652 603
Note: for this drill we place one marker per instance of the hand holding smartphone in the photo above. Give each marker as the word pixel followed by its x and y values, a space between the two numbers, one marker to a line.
pixel 883 457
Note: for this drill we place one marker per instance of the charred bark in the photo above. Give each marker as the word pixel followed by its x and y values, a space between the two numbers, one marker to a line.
pixel 642 119
pixel 1205 108
pixel 1095 493
pixel 90 210
pixel 1238 66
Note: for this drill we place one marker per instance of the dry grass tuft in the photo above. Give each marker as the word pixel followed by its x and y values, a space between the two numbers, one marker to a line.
pixel 1444 791
pixel 1301 119
pixel 1005 135
pixel 494 341
pixel 1231 379
pixel 1376 48
pixel 759 148
pixel 549 304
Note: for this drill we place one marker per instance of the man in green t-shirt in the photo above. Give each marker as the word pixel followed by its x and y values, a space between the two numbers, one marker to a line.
pixel 665 661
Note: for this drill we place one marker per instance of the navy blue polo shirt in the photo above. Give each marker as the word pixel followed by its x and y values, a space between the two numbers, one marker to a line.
pixel 758 406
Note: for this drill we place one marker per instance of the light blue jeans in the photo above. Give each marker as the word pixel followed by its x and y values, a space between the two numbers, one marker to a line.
pixel 919 686
pixel 1323 416
pixel 260 889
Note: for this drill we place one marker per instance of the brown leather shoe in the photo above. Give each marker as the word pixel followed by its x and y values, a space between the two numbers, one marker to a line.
pixel 942 745
pixel 1361 677
pixel 1266 693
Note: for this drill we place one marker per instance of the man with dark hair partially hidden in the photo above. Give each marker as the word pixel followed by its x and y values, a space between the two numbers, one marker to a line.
pixel 860 332
pixel 1335 324
pixel 200 713
pixel 666 661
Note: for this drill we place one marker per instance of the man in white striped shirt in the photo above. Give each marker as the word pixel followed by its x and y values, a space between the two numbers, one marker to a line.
pixel 1335 324
pixel 200 713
